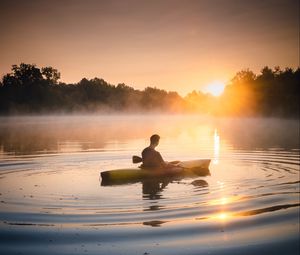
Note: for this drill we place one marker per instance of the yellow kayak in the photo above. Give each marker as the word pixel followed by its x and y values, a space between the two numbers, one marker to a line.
pixel 182 169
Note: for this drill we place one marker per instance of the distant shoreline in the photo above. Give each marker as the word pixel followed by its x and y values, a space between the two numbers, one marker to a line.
pixel 31 90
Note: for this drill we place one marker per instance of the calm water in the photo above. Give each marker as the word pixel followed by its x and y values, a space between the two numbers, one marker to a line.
pixel 52 201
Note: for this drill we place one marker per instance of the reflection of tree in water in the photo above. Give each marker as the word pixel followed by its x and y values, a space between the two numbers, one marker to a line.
pixel 45 138
pixel 26 135
pixel 263 133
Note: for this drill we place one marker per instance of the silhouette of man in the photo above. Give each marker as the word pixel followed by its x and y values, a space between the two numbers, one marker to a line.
pixel 152 158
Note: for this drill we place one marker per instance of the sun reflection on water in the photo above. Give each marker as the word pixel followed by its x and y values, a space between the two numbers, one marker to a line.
pixel 224 200
pixel 222 216
pixel 216 147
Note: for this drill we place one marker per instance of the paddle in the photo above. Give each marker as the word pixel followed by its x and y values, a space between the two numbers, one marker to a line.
pixel 136 159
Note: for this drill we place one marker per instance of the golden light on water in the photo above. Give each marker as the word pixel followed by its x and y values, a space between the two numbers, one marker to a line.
pixel 222 216
pixel 216 147
pixel 225 200
pixel 221 184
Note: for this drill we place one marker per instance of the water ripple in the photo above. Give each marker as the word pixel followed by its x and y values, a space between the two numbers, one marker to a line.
pixel 57 198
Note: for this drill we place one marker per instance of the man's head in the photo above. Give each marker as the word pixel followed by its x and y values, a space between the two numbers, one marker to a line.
pixel 154 140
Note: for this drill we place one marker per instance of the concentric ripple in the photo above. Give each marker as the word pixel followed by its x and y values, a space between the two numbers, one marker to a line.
pixel 250 203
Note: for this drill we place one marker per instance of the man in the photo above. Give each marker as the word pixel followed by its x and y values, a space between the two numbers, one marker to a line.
pixel 152 158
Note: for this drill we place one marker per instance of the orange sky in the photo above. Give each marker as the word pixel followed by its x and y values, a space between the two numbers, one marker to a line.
pixel 171 44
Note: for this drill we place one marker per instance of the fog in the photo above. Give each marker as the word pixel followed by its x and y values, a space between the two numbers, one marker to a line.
pixel 66 133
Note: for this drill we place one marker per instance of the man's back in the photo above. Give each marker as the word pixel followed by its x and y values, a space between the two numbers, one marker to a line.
pixel 152 158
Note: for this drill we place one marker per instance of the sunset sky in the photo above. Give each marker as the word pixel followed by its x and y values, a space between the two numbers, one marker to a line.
pixel 179 45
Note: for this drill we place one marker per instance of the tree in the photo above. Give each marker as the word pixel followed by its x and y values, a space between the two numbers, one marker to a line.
pixel 244 76
pixel 51 74
pixel 26 74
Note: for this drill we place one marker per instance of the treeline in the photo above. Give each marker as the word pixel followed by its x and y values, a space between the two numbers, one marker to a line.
pixel 271 93
pixel 29 89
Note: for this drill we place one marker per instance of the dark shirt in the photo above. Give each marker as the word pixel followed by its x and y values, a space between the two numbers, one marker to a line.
pixel 152 158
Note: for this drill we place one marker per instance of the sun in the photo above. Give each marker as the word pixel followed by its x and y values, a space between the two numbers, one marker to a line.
pixel 215 88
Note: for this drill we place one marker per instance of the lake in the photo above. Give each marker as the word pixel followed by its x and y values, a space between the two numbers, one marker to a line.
pixel 52 200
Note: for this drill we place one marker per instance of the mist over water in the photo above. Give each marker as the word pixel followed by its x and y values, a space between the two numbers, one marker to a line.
pixel 51 194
